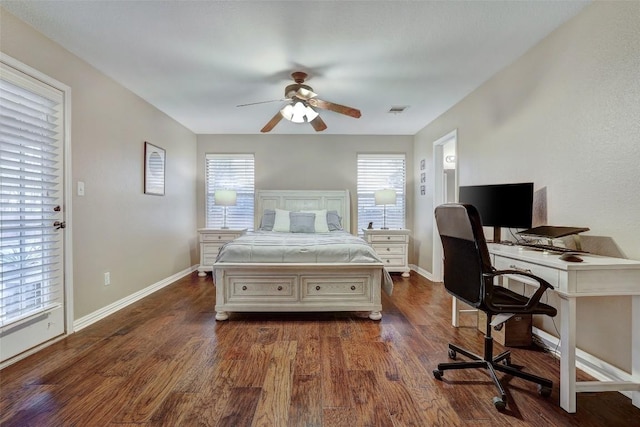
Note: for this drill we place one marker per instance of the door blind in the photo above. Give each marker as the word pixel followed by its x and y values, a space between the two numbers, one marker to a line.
pixel 377 172
pixel 230 172
pixel 31 124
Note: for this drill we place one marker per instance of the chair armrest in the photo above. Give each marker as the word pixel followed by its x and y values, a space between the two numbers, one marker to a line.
pixel 535 298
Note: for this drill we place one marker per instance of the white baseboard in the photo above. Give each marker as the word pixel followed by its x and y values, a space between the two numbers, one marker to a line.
pixel 100 314
pixel 421 271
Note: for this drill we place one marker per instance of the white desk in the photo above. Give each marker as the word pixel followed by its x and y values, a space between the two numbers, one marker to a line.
pixel 596 276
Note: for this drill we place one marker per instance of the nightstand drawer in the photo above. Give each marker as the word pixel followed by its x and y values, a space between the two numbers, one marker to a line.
pixel 214 237
pixel 391 249
pixel 208 260
pixel 211 248
pixel 377 238
pixel 393 261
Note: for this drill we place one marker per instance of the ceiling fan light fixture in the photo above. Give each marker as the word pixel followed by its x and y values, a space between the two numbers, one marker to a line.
pixel 298 112
pixel 311 113
pixel 287 112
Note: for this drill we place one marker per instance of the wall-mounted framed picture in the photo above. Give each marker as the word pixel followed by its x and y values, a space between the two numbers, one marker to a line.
pixel 423 190
pixel 422 164
pixel 154 167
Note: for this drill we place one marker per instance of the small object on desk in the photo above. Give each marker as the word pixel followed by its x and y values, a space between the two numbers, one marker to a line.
pixel 552 232
pixel 570 257
pixel 370 226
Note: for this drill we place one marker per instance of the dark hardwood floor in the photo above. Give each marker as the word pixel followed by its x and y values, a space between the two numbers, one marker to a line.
pixel 166 361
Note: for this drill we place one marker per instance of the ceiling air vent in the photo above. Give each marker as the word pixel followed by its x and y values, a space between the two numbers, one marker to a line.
pixel 397 109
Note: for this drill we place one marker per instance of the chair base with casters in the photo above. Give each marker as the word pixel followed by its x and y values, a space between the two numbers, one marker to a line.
pixel 501 362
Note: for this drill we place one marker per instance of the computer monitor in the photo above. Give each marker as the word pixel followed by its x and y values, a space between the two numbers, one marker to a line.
pixel 501 205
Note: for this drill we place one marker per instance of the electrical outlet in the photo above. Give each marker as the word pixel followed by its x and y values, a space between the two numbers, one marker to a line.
pixel 107 278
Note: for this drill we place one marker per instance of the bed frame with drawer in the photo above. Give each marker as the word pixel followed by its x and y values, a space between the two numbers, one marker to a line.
pixel 299 287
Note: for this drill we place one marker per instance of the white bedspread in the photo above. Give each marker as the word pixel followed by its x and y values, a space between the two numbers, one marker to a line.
pixel 273 247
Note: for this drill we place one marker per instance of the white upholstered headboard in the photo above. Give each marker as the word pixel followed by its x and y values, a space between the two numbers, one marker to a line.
pixel 296 200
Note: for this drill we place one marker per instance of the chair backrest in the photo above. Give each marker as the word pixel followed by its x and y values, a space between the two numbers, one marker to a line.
pixel 466 256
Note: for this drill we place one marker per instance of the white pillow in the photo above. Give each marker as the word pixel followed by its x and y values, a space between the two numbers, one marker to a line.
pixel 321 221
pixel 282 221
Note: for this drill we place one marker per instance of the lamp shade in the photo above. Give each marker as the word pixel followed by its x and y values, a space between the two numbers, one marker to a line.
pixel 225 197
pixel 385 196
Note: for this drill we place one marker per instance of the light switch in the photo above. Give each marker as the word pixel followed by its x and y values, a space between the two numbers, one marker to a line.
pixel 80 188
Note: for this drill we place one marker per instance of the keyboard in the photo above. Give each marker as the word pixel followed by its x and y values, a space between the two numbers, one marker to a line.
pixel 549 248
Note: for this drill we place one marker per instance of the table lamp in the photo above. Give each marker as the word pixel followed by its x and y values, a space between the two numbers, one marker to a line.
pixel 225 198
pixel 384 197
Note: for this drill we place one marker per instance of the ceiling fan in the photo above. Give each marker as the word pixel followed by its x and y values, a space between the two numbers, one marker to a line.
pixel 301 105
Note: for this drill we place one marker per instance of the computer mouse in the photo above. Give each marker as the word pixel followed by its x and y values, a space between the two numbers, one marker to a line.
pixel 570 257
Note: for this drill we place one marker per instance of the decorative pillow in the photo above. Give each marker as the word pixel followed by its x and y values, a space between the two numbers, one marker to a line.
pixel 281 221
pixel 334 222
pixel 302 222
pixel 268 218
pixel 320 225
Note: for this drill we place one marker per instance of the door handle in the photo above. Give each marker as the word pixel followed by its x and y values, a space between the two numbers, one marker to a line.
pixel 58 225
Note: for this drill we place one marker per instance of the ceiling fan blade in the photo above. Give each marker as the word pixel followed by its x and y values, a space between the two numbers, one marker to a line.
pixel 262 102
pixel 272 123
pixel 342 109
pixel 318 124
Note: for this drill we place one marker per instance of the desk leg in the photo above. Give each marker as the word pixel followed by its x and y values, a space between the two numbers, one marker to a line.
pixel 635 348
pixel 568 354
pixel 455 314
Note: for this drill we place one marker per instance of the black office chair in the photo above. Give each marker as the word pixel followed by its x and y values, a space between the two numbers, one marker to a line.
pixel 469 276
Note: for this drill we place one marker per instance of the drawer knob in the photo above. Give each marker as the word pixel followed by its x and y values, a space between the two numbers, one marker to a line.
pixel 317 288
pixel 219 237
pixel 388 237
pixel 244 288
pixel 388 261
pixel 353 287
pixel 388 249
pixel 279 288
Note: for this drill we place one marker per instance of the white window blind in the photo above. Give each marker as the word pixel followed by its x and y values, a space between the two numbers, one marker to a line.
pixel 31 123
pixel 376 172
pixel 230 172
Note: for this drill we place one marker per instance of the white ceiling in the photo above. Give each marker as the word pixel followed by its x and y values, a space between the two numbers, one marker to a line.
pixel 196 60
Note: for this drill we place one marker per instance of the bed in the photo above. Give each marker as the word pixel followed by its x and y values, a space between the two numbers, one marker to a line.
pixel 294 269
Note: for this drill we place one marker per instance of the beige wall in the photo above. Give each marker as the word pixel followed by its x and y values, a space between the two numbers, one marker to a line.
pixel 565 116
pixel 305 162
pixel 139 239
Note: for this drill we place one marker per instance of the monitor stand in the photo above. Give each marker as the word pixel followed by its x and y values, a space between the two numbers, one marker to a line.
pixel 497 235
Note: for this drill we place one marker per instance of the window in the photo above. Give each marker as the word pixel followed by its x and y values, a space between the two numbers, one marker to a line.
pixel 31 119
pixel 376 172
pixel 230 172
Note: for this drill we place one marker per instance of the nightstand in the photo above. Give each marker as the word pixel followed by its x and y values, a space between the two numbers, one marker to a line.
pixel 392 246
pixel 211 239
